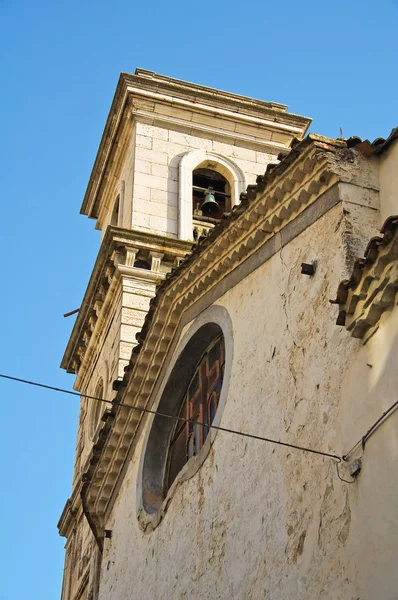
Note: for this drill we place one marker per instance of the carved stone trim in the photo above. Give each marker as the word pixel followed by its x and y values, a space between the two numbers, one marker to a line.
pixel 156 260
pixel 118 249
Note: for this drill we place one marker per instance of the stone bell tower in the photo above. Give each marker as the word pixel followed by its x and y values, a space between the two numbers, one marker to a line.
pixel 173 157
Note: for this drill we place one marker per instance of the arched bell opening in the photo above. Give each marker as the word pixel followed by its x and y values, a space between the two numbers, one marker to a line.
pixel 211 194
pixel 200 170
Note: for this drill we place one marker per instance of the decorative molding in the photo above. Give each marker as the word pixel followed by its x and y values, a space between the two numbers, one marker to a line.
pixel 217 111
pixel 156 260
pixel 116 257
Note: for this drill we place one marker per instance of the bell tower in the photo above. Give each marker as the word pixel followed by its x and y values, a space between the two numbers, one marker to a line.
pixel 174 156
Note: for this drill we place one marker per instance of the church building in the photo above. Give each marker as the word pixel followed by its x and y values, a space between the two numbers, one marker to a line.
pixel 235 352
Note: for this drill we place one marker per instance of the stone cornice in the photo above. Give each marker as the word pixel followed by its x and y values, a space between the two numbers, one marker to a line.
pixel 178 88
pixel 165 90
pixel 112 259
pixel 285 191
pixel 66 519
pixel 70 511
pixel 373 285
pixel 235 115
pixel 214 133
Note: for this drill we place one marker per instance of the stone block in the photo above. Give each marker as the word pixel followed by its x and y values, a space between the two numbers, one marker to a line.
pixel 157 209
pixel 203 143
pixel 141 191
pixel 134 317
pixel 140 219
pixel 169 148
pixel 151 181
pixel 125 349
pixel 152 156
pixel 143 141
pixel 172 227
pixel 265 157
pixel 159 170
pixel 250 167
pixel 223 149
pixel 143 166
pixel 281 138
pixel 159 195
pixel 244 153
pixel 128 333
pixel 158 223
pixel 121 365
pixel 190 141
pixel 152 131
pixel 184 139
pixel 168 197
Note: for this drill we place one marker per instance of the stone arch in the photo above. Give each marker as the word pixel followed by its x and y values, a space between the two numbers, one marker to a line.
pixel 202 158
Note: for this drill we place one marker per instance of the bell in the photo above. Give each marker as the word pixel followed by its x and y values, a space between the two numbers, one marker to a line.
pixel 210 206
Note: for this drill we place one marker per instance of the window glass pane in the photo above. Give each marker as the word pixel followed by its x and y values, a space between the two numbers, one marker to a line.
pixel 194 385
pixel 178 456
pixel 214 354
pixel 199 407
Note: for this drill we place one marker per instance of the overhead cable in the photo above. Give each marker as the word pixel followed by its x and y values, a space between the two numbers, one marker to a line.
pixel 174 417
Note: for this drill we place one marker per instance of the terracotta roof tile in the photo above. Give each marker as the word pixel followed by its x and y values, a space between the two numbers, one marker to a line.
pixel 370 257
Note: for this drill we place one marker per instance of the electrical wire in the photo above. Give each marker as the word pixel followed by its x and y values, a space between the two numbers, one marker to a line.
pixel 175 418
pixel 371 430
pixel 341 478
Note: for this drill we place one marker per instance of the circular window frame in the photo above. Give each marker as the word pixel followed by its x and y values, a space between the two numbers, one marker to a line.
pixel 153 497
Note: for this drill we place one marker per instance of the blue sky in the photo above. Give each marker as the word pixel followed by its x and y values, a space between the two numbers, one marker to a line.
pixel 59 64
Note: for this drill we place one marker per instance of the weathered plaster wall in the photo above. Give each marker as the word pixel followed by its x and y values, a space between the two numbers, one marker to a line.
pixel 258 520
pixel 370 388
pixel 389 181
